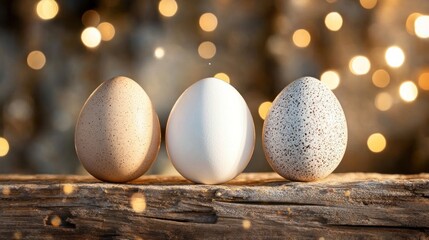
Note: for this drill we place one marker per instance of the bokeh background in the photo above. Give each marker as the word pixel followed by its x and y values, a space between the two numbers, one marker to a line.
pixel 374 55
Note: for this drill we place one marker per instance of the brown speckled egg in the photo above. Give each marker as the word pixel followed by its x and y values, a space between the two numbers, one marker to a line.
pixel 117 134
pixel 305 131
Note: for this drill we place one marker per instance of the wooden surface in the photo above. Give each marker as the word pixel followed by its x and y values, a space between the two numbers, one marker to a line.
pixel 254 206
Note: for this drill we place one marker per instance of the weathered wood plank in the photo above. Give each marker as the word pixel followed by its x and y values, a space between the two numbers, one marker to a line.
pixel 254 206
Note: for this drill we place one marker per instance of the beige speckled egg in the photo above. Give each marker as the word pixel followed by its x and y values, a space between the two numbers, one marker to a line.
pixel 305 131
pixel 117 134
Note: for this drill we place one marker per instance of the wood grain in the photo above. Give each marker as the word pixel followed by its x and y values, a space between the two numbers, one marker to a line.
pixel 253 206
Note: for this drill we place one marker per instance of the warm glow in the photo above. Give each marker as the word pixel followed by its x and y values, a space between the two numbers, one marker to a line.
pixel 381 78
pixel 17 235
pixel 107 31
pixel 167 8
pixel 376 142
pixel 394 56
pixel 333 21
pixel 91 37
pixel 91 18
pixel 263 109
pixel 138 202
pixel 5 191
pixel 159 52
pixel 47 9
pixel 222 76
pixel 368 4
pixel 208 22
pixel 301 38
pixel 383 101
pixel 359 65
pixel 68 189
pixel 408 91
pixel 207 50
pixel 424 81
pixel 246 224
pixel 56 221
pixel 409 24
pixel 421 26
pixel 331 79
pixel 36 60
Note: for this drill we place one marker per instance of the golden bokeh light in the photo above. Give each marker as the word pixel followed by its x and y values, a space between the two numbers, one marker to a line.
pixel 263 109
pixel 381 78
pixel 138 202
pixel 159 52
pixel 333 21
pixel 383 101
pixel 368 4
pixel 421 26
pixel 90 18
pixel 107 31
pixel 331 79
pixel 5 191
pixel 408 91
pixel 17 235
pixel 246 224
pixel 359 65
pixel 409 24
pixel 208 22
pixel 223 76
pixel 36 60
pixel 301 38
pixel 68 189
pixel 91 37
pixel 394 56
pixel 4 147
pixel 167 8
pixel 207 50
pixel 55 221
pixel 47 9
pixel 376 142
pixel 424 81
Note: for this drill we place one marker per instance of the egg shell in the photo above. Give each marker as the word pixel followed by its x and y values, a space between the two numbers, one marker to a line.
pixel 305 131
pixel 210 133
pixel 117 134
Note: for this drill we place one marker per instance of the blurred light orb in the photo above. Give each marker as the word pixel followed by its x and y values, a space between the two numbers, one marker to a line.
pixel 90 18
pixel 376 142
pixel 167 8
pixel 91 37
pixel 301 38
pixel 246 224
pixel 409 24
pixel 383 101
pixel 421 26
pixel 223 76
pixel 359 65
pixel 424 81
pixel 331 79
pixel 394 56
pixel 208 22
pixel 368 4
pixel 47 9
pixel 138 202
pixel 264 108
pixel 36 60
pixel 107 31
pixel 4 147
pixel 408 91
pixel 381 78
pixel 159 52
pixel 333 21
pixel 207 50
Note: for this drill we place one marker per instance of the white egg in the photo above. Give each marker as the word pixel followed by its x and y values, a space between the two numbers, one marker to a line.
pixel 210 133
pixel 305 131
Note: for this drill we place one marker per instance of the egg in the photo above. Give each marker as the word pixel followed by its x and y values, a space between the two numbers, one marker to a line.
pixel 305 131
pixel 210 133
pixel 117 134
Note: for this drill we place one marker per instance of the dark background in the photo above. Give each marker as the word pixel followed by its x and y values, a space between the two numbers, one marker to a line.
pixel 254 48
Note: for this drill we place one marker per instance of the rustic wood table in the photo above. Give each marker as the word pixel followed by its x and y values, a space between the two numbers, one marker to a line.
pixel 253 206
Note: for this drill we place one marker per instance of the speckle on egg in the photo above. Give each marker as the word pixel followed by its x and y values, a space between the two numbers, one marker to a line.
pixel 305 131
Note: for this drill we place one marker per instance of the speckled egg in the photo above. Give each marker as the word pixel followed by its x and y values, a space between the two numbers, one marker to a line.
pixel 117 133
pixel 305 131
